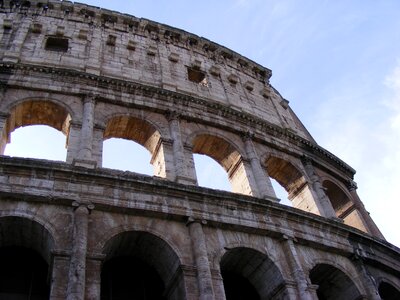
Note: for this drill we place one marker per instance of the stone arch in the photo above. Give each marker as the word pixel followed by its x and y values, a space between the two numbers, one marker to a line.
pixel 339 198
pixel 333 282
pixel 388 291
pixel 151 253
pixel 25 251
pixel 50 231
pixel 143 132
pixel 292 178
pixel 245 270
pixel 36 111
pixel 228 155
pixel 343 205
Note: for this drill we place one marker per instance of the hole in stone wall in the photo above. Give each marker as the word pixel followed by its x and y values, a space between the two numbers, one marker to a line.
pixel 56 44
pixel 197 76
pixel 126 155
pixel 210 174
pixel 37 141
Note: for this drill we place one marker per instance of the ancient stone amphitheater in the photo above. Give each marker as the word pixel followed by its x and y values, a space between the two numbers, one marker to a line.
pixel 75 230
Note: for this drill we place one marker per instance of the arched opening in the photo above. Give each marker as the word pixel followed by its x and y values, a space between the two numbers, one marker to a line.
pixel 388 291
pixel 37 112
pixel 228 157
pixel 126 155
pixel 293 182
pixel 23 274
pixel 139 265
pixel 211 174
pixel 281 193
pixel 37 141
pixel 249 274
pixel 333 284
pixel 343 206
pixel 339 200
pixel 142 133
pixel 25 248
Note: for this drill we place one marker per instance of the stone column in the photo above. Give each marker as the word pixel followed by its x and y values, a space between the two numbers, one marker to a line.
pixel 323 203
pixel 86 137
pixel 263 182
pixel 59 275
pixel 73 141
pixel 77 269
pixel 181 174
pixel 199 248
pixel 296 269
pixel 366 278
pixel 3 132
pixel 372 228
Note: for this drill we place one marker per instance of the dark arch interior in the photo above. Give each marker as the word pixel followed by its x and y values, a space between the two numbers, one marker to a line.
pixel 249 274
pixel 238 287
pixel 128 277
pixel 140 265
pixel 333 284
pixel 23 274
pixel 388 291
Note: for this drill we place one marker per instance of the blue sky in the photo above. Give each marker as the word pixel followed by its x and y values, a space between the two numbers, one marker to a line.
pixel 337 62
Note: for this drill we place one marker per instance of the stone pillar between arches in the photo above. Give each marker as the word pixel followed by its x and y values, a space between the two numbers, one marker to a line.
pixel 77 268
pixel 73 141
pixel 199 248
pixel 84 155
pixel 297 272
pixel 3 132
pixel 59 275
pixel 262 180
pixel 93 277
pixel 366 218
pixel 319 199
pixel 183 174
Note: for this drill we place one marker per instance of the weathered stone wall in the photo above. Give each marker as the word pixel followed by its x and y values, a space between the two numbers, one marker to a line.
pixel 94 74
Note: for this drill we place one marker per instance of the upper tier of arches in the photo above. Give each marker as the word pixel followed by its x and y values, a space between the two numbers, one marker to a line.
pixel 172 141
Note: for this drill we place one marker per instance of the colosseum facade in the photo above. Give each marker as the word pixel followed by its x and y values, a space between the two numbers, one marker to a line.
pixel 75 230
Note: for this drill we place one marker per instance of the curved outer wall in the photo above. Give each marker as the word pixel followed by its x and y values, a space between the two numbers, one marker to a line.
pixel 94 74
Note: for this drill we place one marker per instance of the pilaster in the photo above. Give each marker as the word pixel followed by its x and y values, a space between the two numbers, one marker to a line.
pixel 93 276
pixel 181 173
pixel 321 199
pixel 3 132
pixel 59 276
pixel 366 278
pixel 298 275
pixel 84 158
pixel 370 224
pixel 77 269
pixel 199 249
pixel 262 180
